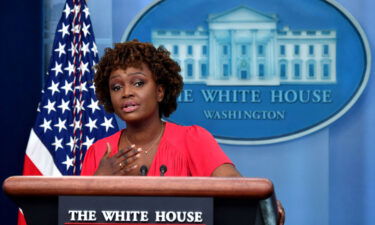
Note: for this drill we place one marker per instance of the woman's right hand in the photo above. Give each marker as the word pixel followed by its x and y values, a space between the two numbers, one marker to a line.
pixel 123 162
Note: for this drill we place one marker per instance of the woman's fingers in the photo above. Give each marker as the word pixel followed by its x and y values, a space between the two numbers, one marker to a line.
pixel 128 156
pixel 125 161
pixel 122 152
pixel 132 159
pixel 108 151
pixel 128 169
pixel 128 152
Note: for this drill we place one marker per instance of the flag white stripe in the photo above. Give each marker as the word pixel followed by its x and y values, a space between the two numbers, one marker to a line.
pixel 40 156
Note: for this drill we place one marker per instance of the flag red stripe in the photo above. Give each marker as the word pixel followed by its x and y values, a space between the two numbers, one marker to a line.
pixel 21 218
pixel 29 167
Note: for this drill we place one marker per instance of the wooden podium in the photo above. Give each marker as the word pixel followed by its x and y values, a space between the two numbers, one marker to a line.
pixel 235 200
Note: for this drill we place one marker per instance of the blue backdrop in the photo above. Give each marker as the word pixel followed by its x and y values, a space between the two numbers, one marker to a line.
pixel 327 177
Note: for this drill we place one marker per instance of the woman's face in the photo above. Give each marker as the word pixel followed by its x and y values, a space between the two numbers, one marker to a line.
pixel 135 96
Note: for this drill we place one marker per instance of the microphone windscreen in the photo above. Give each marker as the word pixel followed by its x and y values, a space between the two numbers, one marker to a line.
pixel 163 170
pixel 143 170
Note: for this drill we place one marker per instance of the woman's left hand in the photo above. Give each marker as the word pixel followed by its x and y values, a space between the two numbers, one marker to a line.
pixel 281 213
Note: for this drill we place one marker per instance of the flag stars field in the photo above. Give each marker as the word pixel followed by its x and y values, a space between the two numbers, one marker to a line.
pixel 85 29
pixel 70 68
pixel 72 142
pixel 86 11
pixel 64 106
pixel 107 123
pixel 85 49
pixel 68 162
pixel 94 105
pixel 84 67
pixel 64 30
pixel 73 49
pixel 57 68
pixel 82 87
pixel 60 49
pixel 91 124
pixel 67 87
pixel 79 106
pixel 88 142
pixel 57 143
pixel 54 87
pixel 93 87
pixel 50 106
pixel 46 125
pixel 67 11
pixel 94 49
pixel 60 125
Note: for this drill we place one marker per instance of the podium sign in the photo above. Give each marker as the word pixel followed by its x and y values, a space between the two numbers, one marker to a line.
pixel 127 210
pixel 144 200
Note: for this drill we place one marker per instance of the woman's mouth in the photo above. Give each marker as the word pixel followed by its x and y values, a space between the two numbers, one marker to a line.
pixel 129 107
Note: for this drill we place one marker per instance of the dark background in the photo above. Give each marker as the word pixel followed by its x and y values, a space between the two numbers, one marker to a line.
pixel 20 85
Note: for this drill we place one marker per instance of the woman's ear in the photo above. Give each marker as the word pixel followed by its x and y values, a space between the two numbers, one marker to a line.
pixel 160 92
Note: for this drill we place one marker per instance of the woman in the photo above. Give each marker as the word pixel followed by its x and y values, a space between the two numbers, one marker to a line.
pixel 141 84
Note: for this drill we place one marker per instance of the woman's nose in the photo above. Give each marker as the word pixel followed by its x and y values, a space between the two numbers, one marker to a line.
pixel 127 91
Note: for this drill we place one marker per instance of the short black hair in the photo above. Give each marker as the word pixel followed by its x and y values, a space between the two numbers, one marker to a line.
pixel 165 70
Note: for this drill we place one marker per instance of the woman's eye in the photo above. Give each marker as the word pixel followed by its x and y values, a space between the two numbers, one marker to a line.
pixel 116 87
pixel 139 83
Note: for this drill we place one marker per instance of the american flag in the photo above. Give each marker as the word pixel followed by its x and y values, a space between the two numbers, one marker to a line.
pixel 69 117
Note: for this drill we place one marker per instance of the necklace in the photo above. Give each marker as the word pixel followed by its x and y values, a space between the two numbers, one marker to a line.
pixel 153 142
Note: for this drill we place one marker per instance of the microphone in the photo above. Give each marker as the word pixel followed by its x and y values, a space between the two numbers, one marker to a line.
pixel 144 170
pixel 163 170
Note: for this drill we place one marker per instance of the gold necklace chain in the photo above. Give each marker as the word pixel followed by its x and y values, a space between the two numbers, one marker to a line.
pixel 146 150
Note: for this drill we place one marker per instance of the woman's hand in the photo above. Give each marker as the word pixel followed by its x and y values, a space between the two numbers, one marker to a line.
pixel 123 162
pixel 281 213
pixel 228 170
